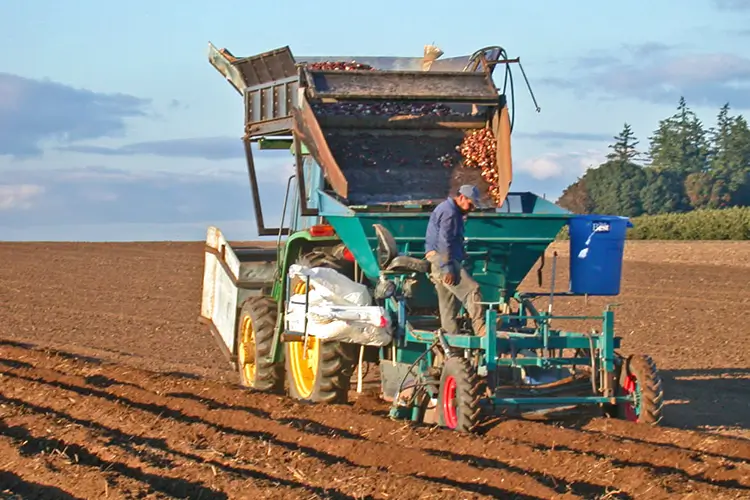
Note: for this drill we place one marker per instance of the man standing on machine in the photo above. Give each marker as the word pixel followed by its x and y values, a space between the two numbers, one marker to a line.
pixel 444 247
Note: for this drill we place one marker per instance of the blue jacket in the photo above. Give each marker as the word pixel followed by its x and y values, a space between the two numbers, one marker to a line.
pixel 445 233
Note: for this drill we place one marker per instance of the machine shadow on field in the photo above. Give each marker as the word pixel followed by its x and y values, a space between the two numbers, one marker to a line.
pixel 31 446
pixel 558 484
pixel 301 424
pixel 481 489
pixel 164 411
pixel 652 468
pixel 27 489
pixel 52 351
pixel 706 399
pixel 182 488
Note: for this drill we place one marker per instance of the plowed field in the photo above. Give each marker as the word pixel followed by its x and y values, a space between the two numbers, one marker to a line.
pixel 110 388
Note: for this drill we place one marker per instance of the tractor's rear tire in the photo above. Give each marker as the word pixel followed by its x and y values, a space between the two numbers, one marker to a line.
pixel 461 390
pixel 328 259
pixel 321 371
pixel 639 376
pixel 256 332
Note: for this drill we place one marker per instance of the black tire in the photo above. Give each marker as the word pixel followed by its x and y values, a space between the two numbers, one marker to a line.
pixel 329 259
pixel 333 378
pixel 469 389
pixel 650 391
pixel 337 360
pixel 268 376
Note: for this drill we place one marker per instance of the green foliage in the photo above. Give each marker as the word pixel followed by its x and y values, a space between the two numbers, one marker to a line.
pixel 707 190
pixel 727 224
pixel 690 169
pixel 663 193
pixel 576 198
pixel 612 185
pixel 680 143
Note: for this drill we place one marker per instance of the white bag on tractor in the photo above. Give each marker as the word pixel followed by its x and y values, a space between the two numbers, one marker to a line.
pixel 337 309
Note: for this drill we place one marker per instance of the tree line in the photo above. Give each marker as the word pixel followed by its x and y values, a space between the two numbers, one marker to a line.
pixel 686 167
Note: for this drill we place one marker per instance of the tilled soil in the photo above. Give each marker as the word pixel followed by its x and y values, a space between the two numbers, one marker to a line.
pixel 109 388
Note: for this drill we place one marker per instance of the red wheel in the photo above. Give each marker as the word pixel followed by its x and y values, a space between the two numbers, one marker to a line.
pixel 459 396
pixel 640 379
pixel 450 415
pixel 630 388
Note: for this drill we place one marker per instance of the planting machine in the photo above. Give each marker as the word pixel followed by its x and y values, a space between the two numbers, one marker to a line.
pixel 374 151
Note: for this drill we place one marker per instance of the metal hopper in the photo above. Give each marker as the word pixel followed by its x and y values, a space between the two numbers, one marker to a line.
pixel 372 159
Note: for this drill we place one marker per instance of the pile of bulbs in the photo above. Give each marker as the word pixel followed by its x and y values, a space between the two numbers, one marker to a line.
pixel 479 150
pixel 339 66
pixel 384 109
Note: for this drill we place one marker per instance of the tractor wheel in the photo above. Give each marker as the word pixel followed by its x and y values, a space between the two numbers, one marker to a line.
pixel 319 371
pixel 458 399
pixel 640 377
pixel 257 328
pixel 329 259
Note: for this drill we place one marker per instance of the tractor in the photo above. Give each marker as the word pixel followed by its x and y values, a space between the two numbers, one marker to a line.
pixel 377 143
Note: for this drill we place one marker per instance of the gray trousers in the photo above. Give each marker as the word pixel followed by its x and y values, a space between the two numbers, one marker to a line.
pixel 463 291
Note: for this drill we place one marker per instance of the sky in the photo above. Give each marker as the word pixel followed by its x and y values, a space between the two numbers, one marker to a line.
pixel 114 126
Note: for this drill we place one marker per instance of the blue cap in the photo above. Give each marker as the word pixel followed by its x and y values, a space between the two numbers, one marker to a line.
pixel 471 192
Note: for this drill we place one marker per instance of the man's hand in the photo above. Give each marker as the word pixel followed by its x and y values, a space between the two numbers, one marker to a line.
pixel 449 279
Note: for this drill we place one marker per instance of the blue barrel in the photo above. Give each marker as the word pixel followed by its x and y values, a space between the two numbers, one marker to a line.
pixel 597 243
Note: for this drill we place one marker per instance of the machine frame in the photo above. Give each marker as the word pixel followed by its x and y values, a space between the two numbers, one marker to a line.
pixel 413 368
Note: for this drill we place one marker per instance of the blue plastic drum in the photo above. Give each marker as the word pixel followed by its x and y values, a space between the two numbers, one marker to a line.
pixel 597 243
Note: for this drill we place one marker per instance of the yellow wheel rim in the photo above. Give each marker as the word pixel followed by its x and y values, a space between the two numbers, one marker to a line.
pixel 303 358
pixel 246 351
pixel 303 361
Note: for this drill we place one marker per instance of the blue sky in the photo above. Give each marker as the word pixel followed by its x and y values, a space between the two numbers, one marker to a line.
pixel 113 126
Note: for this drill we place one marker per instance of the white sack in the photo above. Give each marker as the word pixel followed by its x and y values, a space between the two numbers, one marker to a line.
pixel 332 285
pixel 338 309
pixel 364 325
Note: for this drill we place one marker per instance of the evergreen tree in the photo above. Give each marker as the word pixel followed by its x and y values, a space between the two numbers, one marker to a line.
pixel 624 147
pixel 615 188
pixel 689 168
pixel 720 139
pixel 680 143
pixel 730 155
pixel 739 178
pixel 664 192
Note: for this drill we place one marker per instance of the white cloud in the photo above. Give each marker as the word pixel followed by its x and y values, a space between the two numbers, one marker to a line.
pixel 35 112
pixel 18 196
pixel 137 202
pixel 569 165
pixel 236 230
pixel 542 167
pixel 659 76
pixel 732 5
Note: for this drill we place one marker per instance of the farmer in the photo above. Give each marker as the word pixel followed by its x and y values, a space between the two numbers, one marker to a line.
pixel 444 247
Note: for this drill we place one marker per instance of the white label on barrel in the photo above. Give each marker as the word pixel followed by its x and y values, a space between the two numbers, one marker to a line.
pixel 601 227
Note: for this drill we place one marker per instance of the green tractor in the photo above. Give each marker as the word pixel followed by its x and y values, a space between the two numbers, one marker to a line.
pixel 375 151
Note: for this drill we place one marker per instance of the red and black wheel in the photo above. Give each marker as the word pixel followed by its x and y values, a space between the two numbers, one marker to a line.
pixel 639 378
pixel 460 393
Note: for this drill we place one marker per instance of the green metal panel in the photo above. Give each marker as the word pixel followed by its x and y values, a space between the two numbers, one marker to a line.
pixel 288 253
pixel 502 246
pixel 559 401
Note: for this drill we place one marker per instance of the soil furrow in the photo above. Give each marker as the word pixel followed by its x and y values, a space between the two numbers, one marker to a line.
pixel 307 459
pixel 109 388
pixel 371 449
